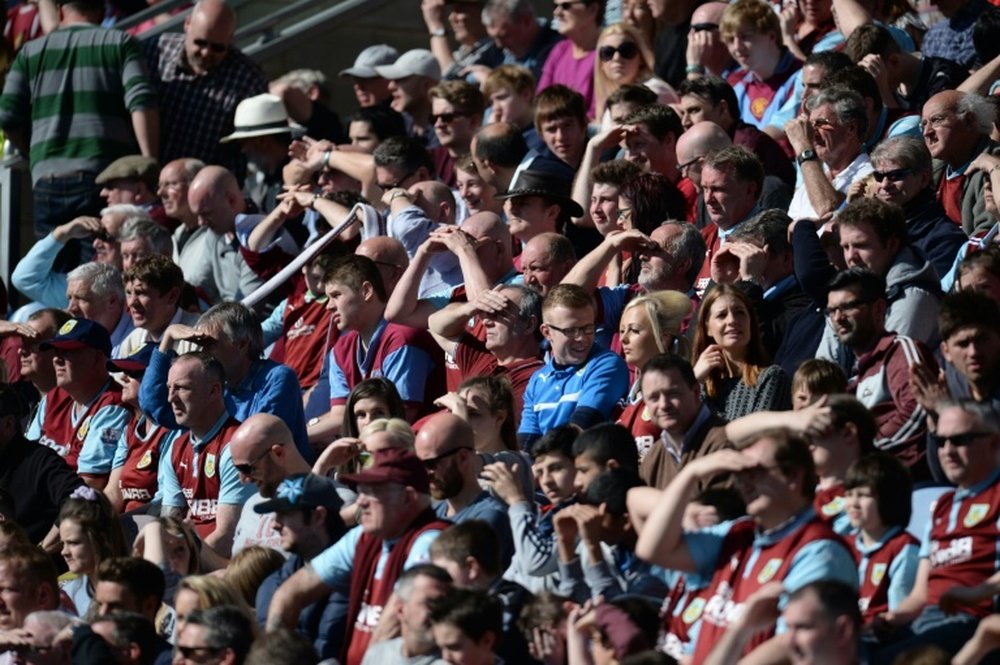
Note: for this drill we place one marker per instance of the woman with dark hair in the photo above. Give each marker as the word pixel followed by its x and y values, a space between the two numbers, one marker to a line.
pixel 980 273
pixel 648 200
pixel 487 404
pixel 729 357
pixel 370 400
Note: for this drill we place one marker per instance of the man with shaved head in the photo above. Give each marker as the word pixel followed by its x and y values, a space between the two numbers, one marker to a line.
pixel 705 46
pixel 712 99
pixel 190 239
pixel 483 248
pixel 415 213
pixel 264 454
pixel 445 444
pixel 700 139
pixel 201 78
pixel 215 199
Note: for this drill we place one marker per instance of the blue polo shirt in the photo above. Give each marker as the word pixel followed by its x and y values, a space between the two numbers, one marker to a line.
pixel 580 395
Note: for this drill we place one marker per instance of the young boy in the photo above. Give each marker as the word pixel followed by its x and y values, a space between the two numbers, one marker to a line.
pixel 470 553
pixel 534 565
pixel 596 544
pixel 878 506
pixel 466 625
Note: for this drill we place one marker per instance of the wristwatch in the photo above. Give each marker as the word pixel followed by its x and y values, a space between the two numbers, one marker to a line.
pixel 439 32
pixel 805 156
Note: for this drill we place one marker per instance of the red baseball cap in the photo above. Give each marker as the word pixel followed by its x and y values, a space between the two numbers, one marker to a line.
pixel 392 465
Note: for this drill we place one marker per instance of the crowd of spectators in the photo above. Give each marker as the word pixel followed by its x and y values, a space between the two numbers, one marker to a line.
pixel 654 332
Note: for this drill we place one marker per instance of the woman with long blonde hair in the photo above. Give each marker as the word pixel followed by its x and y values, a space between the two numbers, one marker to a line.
pixel 624 57
pixel 650 324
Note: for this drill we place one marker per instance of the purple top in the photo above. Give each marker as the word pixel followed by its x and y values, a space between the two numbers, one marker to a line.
pixel 562 67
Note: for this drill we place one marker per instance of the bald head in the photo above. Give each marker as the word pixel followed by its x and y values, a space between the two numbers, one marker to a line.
pixel 486 224
pixel 264 452
pixel 208 35
pixel 441 434
pixel 710 12
pixel 703 138
pixel 215 199
pixel 496 257
pixel 389 255
pixel 435 199
pixel 258 432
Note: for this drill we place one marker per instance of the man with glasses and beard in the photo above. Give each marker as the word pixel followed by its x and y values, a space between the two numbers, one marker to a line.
pixel 856 310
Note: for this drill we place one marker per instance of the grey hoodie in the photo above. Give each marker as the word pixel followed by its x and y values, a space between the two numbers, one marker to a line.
pixel 914 294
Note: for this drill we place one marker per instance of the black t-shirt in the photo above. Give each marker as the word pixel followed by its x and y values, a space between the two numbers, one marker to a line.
pixel 37 480
pixel 670 52
pixel 936 75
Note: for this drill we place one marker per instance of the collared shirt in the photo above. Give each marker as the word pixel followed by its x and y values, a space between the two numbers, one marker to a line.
pixel 802 208
pixel 690 436
pixel 952 38
pixel 196 111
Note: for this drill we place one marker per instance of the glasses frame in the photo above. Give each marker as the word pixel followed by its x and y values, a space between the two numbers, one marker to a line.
pixel 578 332
pixel 627 50
pixel 248 468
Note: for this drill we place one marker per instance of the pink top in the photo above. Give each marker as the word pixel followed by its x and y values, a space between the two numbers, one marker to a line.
pixel 562 67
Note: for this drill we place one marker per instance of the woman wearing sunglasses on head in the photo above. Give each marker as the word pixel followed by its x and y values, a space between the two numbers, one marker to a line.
pixel 625 58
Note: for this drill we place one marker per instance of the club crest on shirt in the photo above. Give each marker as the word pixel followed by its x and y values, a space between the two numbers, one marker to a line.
pixel 769 570
pixel 84 429
pixel 646 415
pixel 693 611
pixel 145 460
pixel 878 572
pixel 209 465
pixel 977 512
pixel 834 507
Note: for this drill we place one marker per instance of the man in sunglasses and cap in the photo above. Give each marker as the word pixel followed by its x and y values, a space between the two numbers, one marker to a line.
pixel 83 417
pixel 956 580
pixel 144 446
pixel 396 528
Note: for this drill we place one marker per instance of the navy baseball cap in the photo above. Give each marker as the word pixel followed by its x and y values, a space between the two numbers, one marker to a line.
pixel 80 334
pixel 135 364
pixel 300 492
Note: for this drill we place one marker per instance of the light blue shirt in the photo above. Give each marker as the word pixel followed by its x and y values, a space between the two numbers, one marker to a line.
pixel 335 564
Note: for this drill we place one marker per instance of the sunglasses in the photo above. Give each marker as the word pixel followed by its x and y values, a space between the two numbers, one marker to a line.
pixel 894 175
pixel 104 236
pixel 214 47
pixel 247 469
pixel 959 440
pixel 704 27
pixel 431 464
pixel 566 6
pixel 446 118
pixel 627 50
